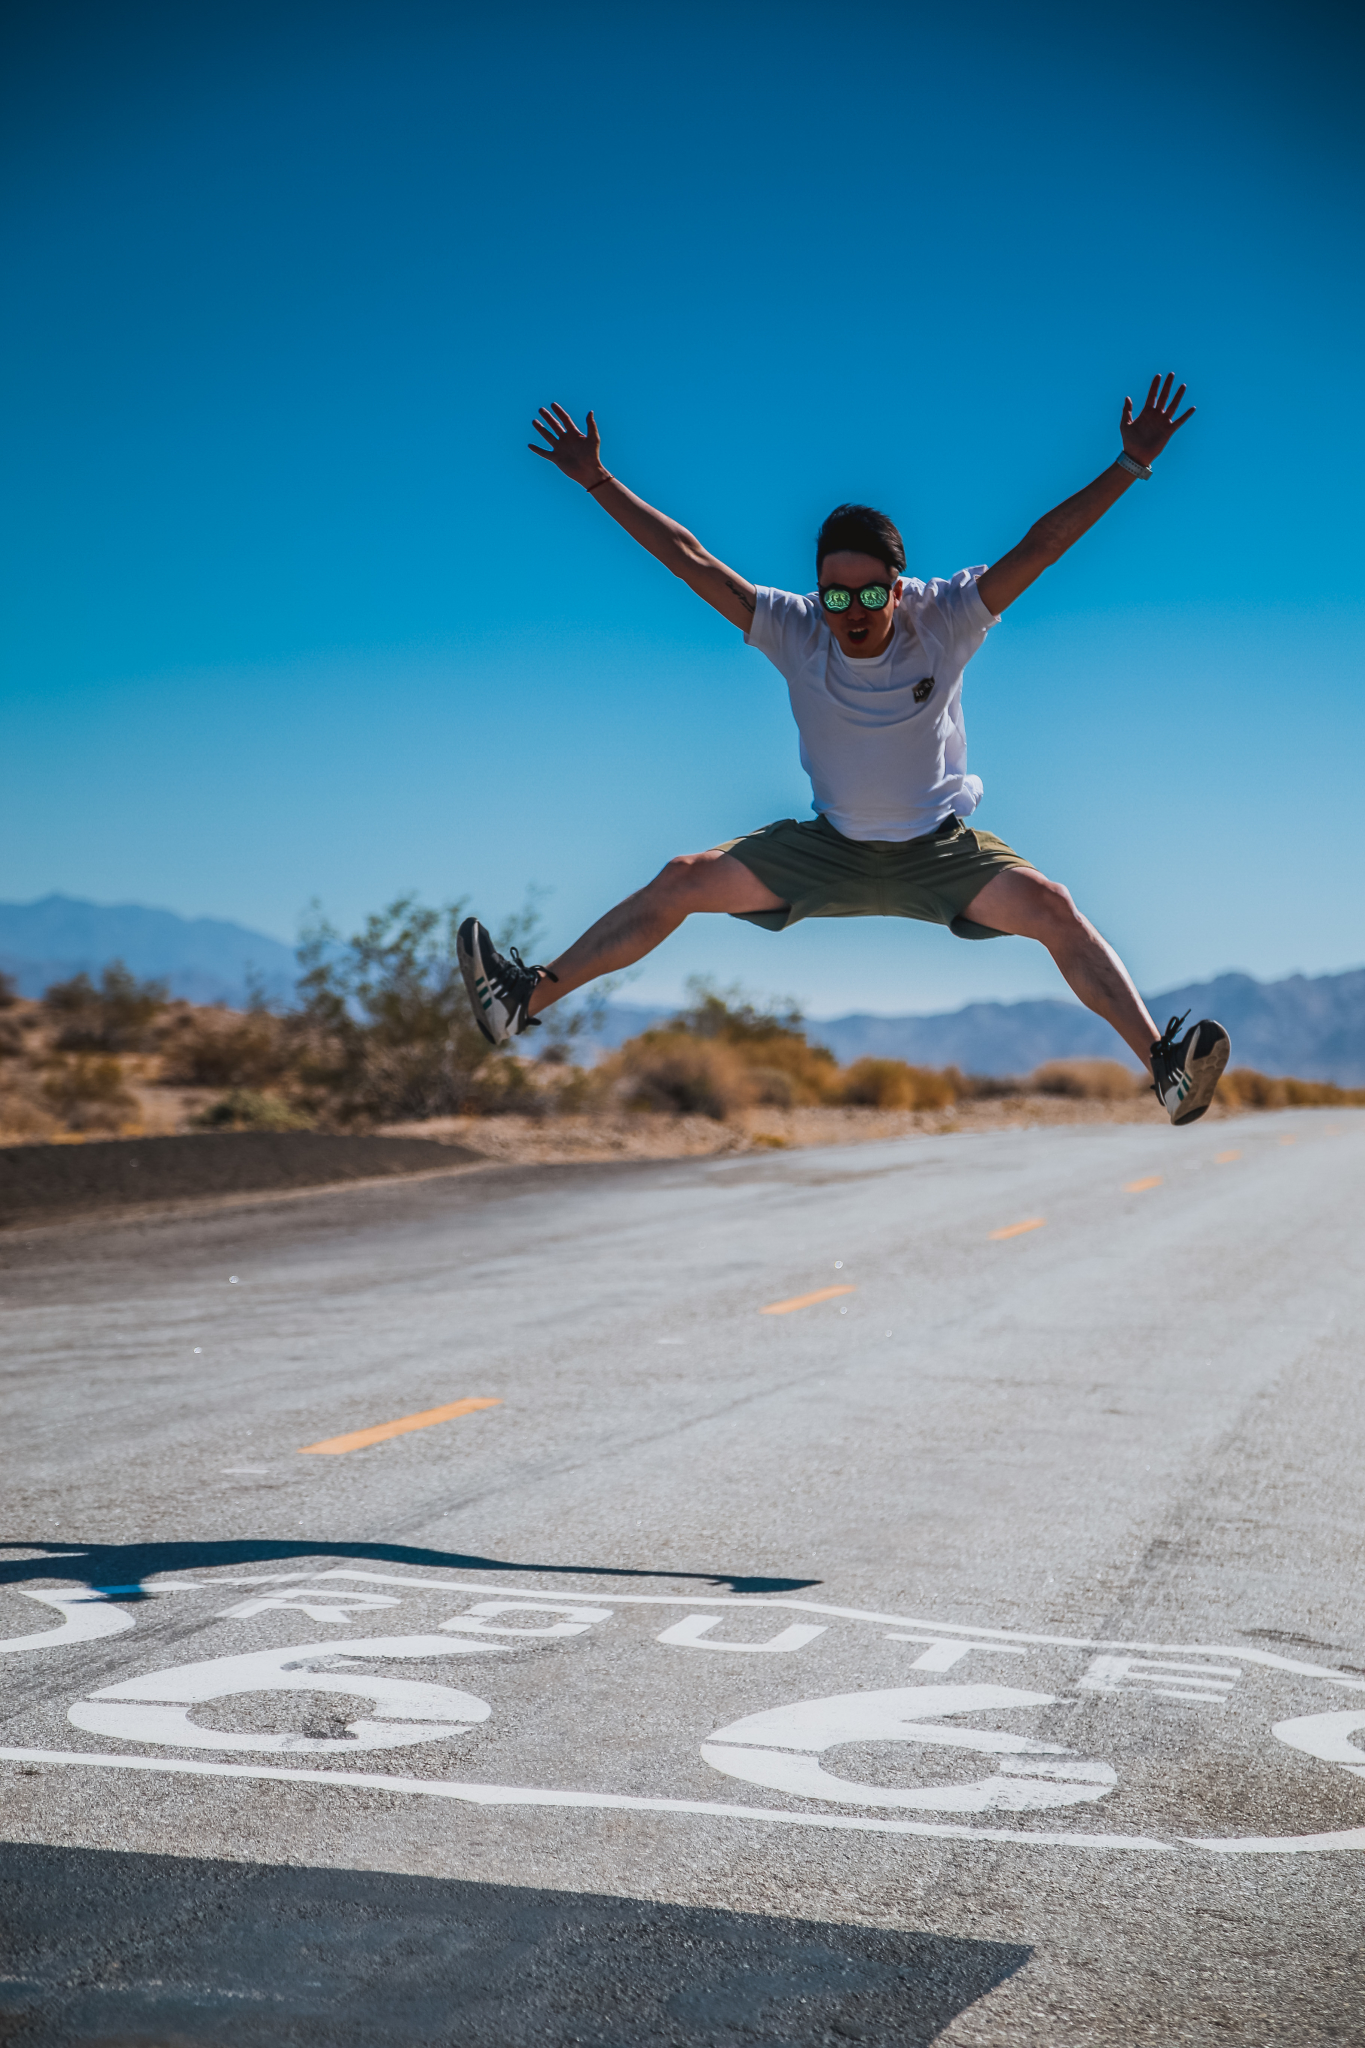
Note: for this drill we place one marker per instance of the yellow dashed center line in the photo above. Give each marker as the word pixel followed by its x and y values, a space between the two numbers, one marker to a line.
pixel 1017 1229
pixel 1225 1158
pixel 1140 1187
pixel 359 1438
pixel 784 1308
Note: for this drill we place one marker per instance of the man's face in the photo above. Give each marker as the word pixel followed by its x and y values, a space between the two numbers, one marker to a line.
pixel 861 633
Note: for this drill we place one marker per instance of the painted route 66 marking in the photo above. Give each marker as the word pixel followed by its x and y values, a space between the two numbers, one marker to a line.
pixel 792 1749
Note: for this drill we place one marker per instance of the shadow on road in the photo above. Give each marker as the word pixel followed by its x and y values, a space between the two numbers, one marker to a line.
pixel 122 1567
pixel 121 1948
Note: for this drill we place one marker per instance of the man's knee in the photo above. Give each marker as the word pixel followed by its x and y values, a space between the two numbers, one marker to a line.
pixel 683 880
pixel 1051 910
pixel 1064 922
pixel 1057 900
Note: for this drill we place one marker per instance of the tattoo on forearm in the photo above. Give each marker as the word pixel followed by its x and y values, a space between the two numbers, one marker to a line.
pixel 742 592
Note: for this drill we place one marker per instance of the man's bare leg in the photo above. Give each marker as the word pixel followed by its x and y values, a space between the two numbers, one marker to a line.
pixel 693 882
pixel 1025 903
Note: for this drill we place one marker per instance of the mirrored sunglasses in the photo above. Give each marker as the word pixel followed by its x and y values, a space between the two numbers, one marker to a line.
pixel 837 597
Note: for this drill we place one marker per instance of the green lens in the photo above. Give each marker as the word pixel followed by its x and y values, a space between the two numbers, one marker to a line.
pixel 837 600
pixel 874 596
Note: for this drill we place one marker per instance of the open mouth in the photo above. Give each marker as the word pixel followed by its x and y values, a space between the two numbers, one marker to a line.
pixel 857 632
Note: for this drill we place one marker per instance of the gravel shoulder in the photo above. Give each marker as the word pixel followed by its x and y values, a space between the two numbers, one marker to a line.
pixel 559 1140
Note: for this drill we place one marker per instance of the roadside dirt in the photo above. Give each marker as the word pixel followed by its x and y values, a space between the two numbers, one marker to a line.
pixel 557 1140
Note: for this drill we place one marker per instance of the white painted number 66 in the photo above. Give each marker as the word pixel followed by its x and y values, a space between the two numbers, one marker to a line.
pixel 156 1708
pixel 782 1748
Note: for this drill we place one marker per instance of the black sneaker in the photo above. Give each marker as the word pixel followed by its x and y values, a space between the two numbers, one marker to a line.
pixel 1186 1074
pixel 499 987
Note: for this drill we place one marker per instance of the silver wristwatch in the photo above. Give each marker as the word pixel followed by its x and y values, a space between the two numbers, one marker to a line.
pixel 1134 467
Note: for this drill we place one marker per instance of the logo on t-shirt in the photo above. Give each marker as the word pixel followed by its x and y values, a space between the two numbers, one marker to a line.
pixel 921 691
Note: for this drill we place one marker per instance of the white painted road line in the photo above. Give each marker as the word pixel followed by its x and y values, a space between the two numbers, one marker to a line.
pixel 534 1795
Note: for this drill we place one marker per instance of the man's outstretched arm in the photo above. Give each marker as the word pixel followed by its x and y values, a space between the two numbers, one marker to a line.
pixel 579 456
pixel 1048 540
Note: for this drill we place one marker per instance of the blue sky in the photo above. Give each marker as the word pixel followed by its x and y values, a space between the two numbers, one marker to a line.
pixel 287 611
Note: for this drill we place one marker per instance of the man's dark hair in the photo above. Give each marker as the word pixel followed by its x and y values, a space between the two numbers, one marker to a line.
pixel 859 530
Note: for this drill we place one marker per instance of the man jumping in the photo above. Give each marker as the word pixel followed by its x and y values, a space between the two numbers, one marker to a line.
pixel 873 661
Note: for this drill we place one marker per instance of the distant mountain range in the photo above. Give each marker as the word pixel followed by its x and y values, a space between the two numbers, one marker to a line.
pixel 204 959
pixel 1311 1026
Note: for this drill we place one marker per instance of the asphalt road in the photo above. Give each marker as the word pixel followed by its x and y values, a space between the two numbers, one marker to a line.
pixel 973 1654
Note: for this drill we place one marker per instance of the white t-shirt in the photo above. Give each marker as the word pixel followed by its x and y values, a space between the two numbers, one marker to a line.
pixel 886 755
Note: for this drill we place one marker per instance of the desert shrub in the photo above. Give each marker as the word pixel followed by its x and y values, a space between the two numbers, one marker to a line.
pixel 410 1083
pixel 794 1071
pixel 986 1087
pixel 11 1039
pixel 225 1049
pixel 577 1091
pixel 1087 1080
pixel 1244 1088
pixel 385 1033
pixel 24 1112
pixel 9 991
pixel 785 1068
pixel 724 1052
pixel 893 1084
pixel 510 1086
pixel 776 1087
pixel 114 1016
pixel 671 1071
pixel 249 1109
pixel 1323 1095
pixel 88 1093
pixel 729 1014
pixel 385 1029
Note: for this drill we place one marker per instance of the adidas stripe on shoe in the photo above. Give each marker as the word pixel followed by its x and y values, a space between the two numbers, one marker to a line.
pixel 500 986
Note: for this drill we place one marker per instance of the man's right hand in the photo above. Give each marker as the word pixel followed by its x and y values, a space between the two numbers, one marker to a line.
pixel 577 455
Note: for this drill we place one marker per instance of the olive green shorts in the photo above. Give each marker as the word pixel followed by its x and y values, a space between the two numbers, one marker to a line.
pixel 819 873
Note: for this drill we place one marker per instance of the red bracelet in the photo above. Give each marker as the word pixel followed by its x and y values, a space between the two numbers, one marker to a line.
pixel 608 479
